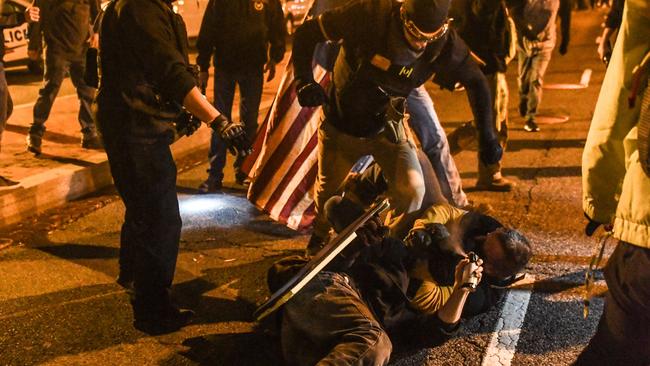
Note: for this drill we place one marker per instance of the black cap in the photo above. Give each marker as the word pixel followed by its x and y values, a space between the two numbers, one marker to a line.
pixel 341 212
pixel 427 15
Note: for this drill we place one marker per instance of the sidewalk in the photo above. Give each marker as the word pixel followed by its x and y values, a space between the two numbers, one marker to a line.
pixel 65 171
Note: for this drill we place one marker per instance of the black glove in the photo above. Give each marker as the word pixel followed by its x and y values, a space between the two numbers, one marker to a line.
pixel 372 232
pixel 233 134
pixel 563 48
pixel 186 124
pixel 593 225
pixel 491 152
pixel 311 94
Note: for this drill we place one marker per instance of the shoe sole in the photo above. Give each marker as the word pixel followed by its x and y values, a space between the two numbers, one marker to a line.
pixel 34 150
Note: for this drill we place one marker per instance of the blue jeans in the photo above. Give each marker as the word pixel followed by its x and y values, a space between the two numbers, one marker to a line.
pixel 250 89
pixel 56 66
pixel 426 126
pixel 328 322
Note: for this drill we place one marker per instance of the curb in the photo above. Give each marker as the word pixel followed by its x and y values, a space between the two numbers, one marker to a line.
pixel 54 188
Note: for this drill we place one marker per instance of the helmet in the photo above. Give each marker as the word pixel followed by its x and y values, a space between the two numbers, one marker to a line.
pixel 428 16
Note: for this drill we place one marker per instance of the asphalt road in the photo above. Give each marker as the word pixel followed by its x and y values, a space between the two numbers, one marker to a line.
pixel 59 304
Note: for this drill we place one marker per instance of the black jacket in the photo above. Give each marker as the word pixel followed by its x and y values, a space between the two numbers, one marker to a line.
pixel 483 25
pixel 65 25
pixel 367 76
pixel 155 60
pixel 239 34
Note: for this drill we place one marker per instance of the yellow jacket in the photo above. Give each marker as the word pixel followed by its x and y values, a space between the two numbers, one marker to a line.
pixel 615 189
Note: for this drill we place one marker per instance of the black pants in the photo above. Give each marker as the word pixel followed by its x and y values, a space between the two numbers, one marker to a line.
pixel 145 177
pixel 623 334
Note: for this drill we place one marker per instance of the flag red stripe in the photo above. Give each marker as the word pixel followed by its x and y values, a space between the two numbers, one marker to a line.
pixel 295 166
pixel 306 184
pixel 308 217
pixel 280 154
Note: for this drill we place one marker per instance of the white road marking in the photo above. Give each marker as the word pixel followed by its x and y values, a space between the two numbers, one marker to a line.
pixel 584 82
pixel 586 76
pixel 504 339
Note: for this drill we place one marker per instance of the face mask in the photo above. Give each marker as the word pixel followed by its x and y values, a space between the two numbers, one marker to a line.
pixel 399 51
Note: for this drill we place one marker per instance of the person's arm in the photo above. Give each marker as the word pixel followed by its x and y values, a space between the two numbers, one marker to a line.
pixel 565 24
pixel 277 32
pixel 334 25
pixel 456 65
pixel 205 43
pixel 452 310
pixel 442 213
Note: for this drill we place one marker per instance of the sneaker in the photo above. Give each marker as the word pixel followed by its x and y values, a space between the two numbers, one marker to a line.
pixel 92 143
pixel 167 321
pixel 316 243
pixel 242 180
pixel 211 185
pixel 34 144
pixel 500 184
pixel 531 126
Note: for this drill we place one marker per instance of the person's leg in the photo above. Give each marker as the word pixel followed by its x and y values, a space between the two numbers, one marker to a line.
pixel 251 86
pixel 539 64
pixel 224 92
pixel 337 153
pixel 425 124
pixel 623 333
pixel 86 96
pixel 403 173
pixel 156 227
pixel 523 76
pixel 489 176
pixel 55 68
pixel 329 323
pixel 4 100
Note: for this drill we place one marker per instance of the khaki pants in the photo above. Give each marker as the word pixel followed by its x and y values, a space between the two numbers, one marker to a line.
pixel 337 153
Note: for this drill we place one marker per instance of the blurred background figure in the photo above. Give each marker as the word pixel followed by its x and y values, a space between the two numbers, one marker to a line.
pixel 66 28
pixel 247 39
pixel 536 36
pixel 32 14
pixel 612 23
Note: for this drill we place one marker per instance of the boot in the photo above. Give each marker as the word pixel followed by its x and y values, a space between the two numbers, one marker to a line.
pixel 34 144
pixel 92 142
pixel 490 179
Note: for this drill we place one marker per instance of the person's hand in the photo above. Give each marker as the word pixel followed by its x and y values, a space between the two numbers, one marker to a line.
pixel 93 41
pixel 563 48
pixel 204 76
pixel 467 271
pixel 270 68
pixel 33 14
pixel 311 94
pixel 372 232
pixel 233 134
pixel 593 225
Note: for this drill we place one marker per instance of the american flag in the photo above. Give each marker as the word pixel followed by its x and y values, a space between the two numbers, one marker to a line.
pixel 284 163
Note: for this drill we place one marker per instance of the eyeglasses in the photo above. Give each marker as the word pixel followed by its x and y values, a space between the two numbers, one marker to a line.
pixel 419 35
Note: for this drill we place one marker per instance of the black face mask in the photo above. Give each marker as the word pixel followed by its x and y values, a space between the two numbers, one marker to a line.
pixel 400 51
